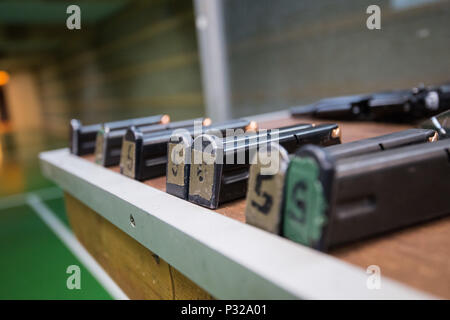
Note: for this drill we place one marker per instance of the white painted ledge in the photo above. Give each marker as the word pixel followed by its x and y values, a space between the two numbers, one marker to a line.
pixel 227 258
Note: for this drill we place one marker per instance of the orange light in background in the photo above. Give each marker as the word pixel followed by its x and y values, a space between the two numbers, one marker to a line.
pixel 165 119
pixel 4 77
pixel 252 126
pixel 207 122
pixel 1 155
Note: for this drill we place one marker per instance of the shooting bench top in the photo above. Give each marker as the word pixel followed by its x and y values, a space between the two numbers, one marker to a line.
pixel 157 246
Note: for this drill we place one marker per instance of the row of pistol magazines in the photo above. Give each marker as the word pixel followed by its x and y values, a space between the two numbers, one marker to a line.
pixel 299 181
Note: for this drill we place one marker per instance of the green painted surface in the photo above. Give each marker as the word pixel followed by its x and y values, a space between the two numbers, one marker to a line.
pixel 58 207
pixel 304 212
pixel 34 261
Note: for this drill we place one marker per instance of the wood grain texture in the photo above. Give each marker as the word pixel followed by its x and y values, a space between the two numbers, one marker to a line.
pixel 418 256
pixel 139 272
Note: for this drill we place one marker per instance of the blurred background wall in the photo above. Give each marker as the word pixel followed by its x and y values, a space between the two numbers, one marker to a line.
pixel 137 57
pixel 130 59
pixel 284 53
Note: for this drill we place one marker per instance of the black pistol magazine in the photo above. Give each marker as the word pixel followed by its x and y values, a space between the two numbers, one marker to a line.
pixel 222 180
pixel 179 156
pixel 83 139
pixel 266 191
pixel 144 156
pixel 109 139
pixel 356 197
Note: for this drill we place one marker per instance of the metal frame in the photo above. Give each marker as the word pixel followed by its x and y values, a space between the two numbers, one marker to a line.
pixel 214 63
pixel 227 258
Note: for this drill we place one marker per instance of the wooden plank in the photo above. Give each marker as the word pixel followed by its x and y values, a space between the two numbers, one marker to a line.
pixel 185 289
pixel 140 273
pixel 417 256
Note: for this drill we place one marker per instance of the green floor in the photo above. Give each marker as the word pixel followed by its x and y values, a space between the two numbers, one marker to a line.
pixel 33 261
